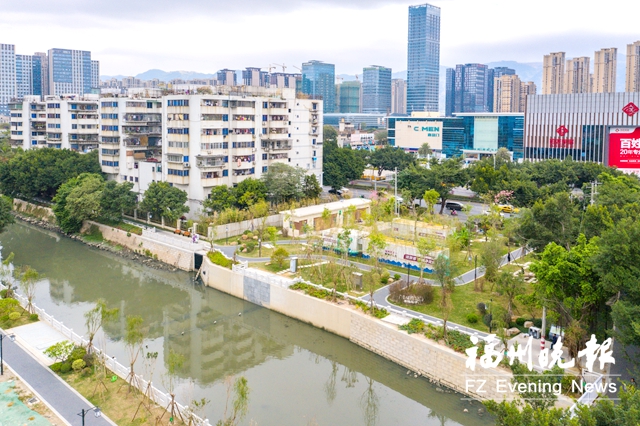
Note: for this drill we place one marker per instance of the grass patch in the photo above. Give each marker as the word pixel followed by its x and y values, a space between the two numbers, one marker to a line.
pixel 13 315
pixel 93 235
pixel 122 226
pixel 220 259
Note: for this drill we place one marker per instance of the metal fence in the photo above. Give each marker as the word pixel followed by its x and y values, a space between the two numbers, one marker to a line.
pixel 592 394
pixel 159 397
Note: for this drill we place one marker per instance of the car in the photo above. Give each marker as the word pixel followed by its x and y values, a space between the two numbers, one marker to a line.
pixel 508 208
pixel 343 190
pixel 454 205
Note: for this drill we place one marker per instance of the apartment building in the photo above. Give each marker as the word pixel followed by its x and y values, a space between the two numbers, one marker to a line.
pixel 632 80
pixel 577 78
pixel 69 122
pixel 398 96
pixel 527 88
pixel 507 92
pixel 553 73
pixel 604 70
pixel 225 138
pixel 8 89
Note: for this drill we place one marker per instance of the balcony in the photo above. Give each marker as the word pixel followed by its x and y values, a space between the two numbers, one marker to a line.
pixel 178 180
pixel 83 138
pixel 141 118
pixel 141 130
pixel 210 163
pixel 270 145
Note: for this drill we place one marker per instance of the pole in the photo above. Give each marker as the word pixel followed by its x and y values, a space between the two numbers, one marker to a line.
pixel 1 358
pixel 396 190
pixel 408 271
pixel 490 315
pixel 544 320
pixel 475 272
pixel 82 415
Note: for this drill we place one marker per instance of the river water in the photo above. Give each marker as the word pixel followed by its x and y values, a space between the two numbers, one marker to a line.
pixel 298 374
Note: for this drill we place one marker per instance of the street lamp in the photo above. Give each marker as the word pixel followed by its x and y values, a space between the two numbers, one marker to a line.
pixel 13 339
pixel 227 243
pixel 490 314
pixel 96 413
pixel 475 272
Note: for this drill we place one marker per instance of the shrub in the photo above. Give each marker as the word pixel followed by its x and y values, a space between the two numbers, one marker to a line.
pixel 520 321
pixel 414 294
pixel 487 320
pixel 472 318
pixel 219 259
pixel 13 316
pixel 8 305
pixel 482 309
pixel 384 277
pixel 414 326
pixel 55 367
pixel 78 353
pixel 537 322
pixel 279 256
pixel 396 276
pixel 88 359
pixel 86 372
pixel 396 292
pixel 33 317
pixel 65 368
pixel 3 293
pixel 60 351
pixel 78 365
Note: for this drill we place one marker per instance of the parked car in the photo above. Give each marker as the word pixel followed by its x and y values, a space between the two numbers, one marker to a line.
pixel 454 205
pixel 508 208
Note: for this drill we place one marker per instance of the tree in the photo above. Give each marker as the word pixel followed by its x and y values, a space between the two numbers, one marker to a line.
pixel 161 199
pixel 76 200
pixel 60 351
pixel 444 176
pixel 6 218
pixel 260 211
pixel 390 158
pixel 381 137
pixel 283 182
pixel 116 199
pixel 28 278
pixel 340 165
pixel 444 273
pixel 220 199
pixel 175 362
pixel 425 247
pixel 204 90
pixel 311 188
pixel 502 156
pixel 425 150
pixel 248 192
pixel 490 258
pixel 329 133
pixel 279 256
pixel 133 338
pixel 430 198
pixel 96 317
pixel 376 246
pixel 511 286
pixel 240 405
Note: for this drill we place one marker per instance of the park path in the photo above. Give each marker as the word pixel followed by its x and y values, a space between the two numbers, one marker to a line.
pixel 57 394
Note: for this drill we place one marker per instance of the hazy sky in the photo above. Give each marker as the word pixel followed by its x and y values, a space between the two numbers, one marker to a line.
pixel 132 36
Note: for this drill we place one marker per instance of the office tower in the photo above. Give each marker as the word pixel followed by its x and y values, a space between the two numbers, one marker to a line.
pixel 95 74
pixel 44 72
pixel 349 97
pixel 318 81
pixel 604 70
pixel 553 73
pixel 423 62
pixel 252 76
pixel 500 71
pixel 283 80
pixel 8 89
pixel 506 96
pixel 398 96
pixel 577 78
pixel 227 77
pixel 69 71
pixel 526 88
pixel 470 89
pixel 450 90
pixel 24 75
pixel 376 89
pixel 36 73
pixel 632 80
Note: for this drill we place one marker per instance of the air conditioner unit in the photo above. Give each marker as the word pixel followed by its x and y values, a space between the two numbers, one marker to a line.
pixel 253 150
pixel 253 162
pixel 186 165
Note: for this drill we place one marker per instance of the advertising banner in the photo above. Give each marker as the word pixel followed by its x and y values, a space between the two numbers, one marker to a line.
pixel 624 147
pixel 413 134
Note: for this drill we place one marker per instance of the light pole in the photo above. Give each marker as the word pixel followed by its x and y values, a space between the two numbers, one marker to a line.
pixel 227 243
pixel 408 271
pixel 490 314
pixel 2 336
pixel 96 413
pixel 475 272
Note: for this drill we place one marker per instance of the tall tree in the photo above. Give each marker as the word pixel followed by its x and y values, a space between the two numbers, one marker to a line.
pixel 444 176
pixel 96 317
pixel 425 248
pixel 28 278
pixel 444 273
pixel 220 199
pixel 340 165
pixel 260 213
pixel 76 200
pixel 390 158
pixel 490 258
pixel 510 286
pixel 425 150
pixel 311 187
pixel 161 199
pixel 249 191
pixel 6 218
pixel 116 199
pixel 283 182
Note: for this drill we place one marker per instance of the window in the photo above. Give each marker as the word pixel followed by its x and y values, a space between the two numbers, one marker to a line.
pixel 178 144
pixel 74 116
pixel 74 126
pixel 178 102
pixel 264 156
pixel 225 173
pixel 110 105
pixel 264 169
pixel 111 164
pixel 53 115
pixel 109 128
pixel 109 116
pixel 177 131
pixel 174 172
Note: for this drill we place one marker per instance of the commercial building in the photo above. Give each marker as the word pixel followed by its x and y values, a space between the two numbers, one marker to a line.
pixel 70 71
pixel 632 80
pixel 42 59
pixel 605 65
pixel 553 73
pixel 585 127
pixel 468 134
pixel 376 89
pixel 469 89
pixel 398 96
pixel 348 94
pixel 24 76
pixel 577 78
pixel 69 122
pixel 318 81
pixel 360 121
pixel 423 58
pixel 8 89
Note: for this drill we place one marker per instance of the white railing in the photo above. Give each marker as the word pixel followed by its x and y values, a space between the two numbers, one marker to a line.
pixel 159 397
pixel 182 242
pixel 588 397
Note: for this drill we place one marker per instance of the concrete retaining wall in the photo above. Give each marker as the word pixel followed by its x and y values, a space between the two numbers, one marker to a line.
pixel 44 213
pixel 414 352
pixel 238 228
pixel 178 257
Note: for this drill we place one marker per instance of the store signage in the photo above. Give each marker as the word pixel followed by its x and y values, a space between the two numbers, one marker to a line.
pixel 414 258
pixel 624 147
pixel 630 109
pixel 560 143
pixel 562 130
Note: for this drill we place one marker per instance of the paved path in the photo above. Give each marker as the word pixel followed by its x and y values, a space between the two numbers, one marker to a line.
pixel 48 386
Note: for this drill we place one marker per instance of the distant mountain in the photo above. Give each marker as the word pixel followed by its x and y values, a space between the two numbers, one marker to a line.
pixel 531 71
pixel 109 77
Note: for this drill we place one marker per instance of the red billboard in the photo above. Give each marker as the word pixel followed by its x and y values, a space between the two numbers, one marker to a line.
pixel 624 147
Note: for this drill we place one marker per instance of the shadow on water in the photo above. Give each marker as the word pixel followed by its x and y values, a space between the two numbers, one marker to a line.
pixel 298 374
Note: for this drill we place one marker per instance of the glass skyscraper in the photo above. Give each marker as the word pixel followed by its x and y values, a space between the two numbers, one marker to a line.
pixel 69 71
pixel 469 89
pixel 376 89
pixel 349 97
pixel 423 65
pixel 318 81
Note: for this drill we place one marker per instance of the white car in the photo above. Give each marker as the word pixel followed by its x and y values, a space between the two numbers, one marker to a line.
pixel 344 190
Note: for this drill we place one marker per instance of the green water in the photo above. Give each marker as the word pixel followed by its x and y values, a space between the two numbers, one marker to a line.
pixel 298 375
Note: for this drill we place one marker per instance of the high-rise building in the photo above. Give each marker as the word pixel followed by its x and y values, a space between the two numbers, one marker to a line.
pixel 398 96
pixel 24 75
pixel 318 81
pixel 95 75
pixel 43 60
pixel 349 97
pixel 69 71
pixel 8 89
pixel 423 58
pixel 227 77
pixel 527 88
pixel 506 97
pixel 471 89
pixel 376 89
pixel 553 73
pixel 577 78
pixel 283 80
pixel 252 76
pixel 450 90
pixel 632 80
pixel 36 74
pixel 500 71
pixel 604 70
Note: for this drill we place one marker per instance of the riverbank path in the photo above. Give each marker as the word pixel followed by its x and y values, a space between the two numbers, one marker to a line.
pixel 50 388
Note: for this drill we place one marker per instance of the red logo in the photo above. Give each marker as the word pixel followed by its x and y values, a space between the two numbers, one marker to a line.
pixel 563 130
pixel 630 109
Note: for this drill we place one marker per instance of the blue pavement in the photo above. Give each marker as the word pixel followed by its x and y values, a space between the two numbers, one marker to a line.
pixel 49 387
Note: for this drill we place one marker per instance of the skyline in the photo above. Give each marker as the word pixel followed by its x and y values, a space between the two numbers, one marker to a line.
pixel 146 35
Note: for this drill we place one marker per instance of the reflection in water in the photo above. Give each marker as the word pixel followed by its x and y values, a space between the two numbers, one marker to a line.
pixel 292 368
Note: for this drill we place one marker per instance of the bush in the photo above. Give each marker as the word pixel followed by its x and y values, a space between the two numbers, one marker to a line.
pixel 55 367
pixel 414 326
pixel 413 294
pixel 7 306
pixel 86 372
pixel 487 320
pixel 33 317
pixel 279 256
pixel 482 309
pixel 3 293
pixel 78 353
pixel 88 359
pixel 78 365
pixel 219 259
pixel 537 322
pixel 14 316
pixel 65 368
pixel 472 318
pixel 520 321
pixel 397 276
pixel 384 277
pixel 60 351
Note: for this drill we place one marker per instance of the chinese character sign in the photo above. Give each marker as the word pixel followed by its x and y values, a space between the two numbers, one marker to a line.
pixel 624 148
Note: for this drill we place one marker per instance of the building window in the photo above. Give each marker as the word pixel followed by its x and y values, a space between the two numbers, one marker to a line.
pixel 178 102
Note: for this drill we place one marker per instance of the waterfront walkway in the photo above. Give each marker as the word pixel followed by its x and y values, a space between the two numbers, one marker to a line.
pixel 51 389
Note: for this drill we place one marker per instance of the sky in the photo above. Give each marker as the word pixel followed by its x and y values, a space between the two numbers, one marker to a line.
pixel 131 36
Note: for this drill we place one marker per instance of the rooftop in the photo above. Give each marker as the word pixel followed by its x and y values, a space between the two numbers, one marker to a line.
pixel 332 207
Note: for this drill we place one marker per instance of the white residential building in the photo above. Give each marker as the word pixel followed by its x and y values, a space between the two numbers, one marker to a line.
pixel 236 134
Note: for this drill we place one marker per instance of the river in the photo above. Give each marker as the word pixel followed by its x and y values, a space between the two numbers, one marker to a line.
pixel 298 374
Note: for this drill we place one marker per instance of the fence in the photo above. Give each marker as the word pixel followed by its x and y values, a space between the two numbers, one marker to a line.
pixel 589 396
pixel 159 397
pixel 182 242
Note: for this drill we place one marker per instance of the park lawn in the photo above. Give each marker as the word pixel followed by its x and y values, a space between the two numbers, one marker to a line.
pixel 292 249
pixel 118 404
pixel 25 318
pixel 270 267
